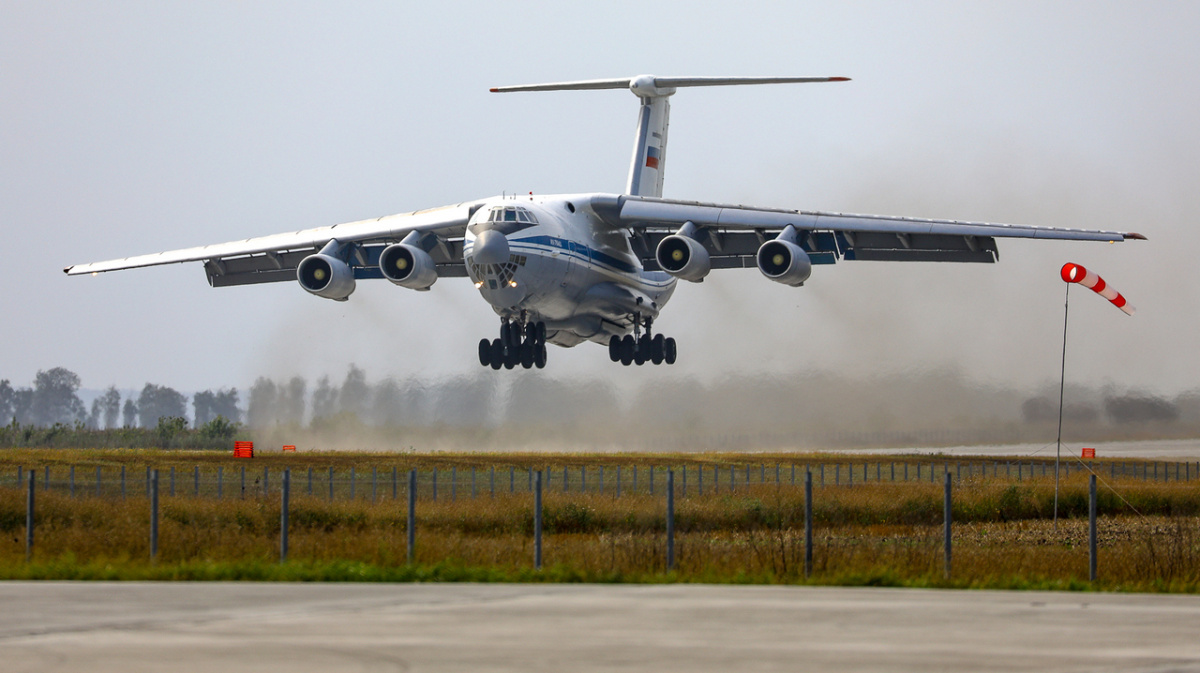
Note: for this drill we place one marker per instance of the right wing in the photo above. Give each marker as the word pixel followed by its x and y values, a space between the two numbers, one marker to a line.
pixel 274 258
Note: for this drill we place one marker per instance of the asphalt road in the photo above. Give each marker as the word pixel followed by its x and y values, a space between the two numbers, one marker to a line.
pixel 231 627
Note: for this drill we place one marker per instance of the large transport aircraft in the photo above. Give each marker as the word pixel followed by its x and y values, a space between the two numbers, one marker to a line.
pixel 569 268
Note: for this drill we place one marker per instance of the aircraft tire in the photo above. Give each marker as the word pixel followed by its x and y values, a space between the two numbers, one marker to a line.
pixel 497 355
pixel 627 348
pixel 514 334
pixel 485 352
pixel 528 351
pixel 539 358
pixel 656 349
pixel 669 352
pixel 541 333
pixel 614 348
pixel 642 354
pixel 531 332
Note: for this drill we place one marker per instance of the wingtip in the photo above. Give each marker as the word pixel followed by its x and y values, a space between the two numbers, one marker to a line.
pixel 494 89
pixel 1135 236
pixel 839 79
pixel 67 269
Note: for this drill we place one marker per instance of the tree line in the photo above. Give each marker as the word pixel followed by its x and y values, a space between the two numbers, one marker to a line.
pixel 53 399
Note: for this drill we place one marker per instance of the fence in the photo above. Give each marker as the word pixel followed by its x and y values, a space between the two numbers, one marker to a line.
pixel 242 481
pixel 475 483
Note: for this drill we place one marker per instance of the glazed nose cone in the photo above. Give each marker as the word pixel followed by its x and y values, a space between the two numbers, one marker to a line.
pixel 491 247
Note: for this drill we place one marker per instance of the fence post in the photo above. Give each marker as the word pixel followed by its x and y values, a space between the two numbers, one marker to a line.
pixel 72 481
pixel 220 481
pixel 618 481
pixel 492 481
pixel 196 477
pixel 351 483
pixel 435 484
pixel 29 502
pixel 395 486
pixel 172 481
pixel 154 516
pixel 283 514
pixel 700 478
pixel 537 522
pixel 946 516
pixel 808 523
pixel 331 484
pixel 412 515
pixel 98 474
pixel 670 520
pixel 652 479
pixel 566 480
pixel 243 482
pixel 310 479
pixel 266 480
pixel 472 482
pixel 1092 528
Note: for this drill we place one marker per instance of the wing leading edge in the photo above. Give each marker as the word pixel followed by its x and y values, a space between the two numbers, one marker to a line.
pixel 274 258
pixel 732 233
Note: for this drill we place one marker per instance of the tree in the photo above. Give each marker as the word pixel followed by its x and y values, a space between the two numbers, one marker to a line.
pixel 23 406
pixel 261 410
pixel 6 402
pixel 208 405
pixel 130 413
pixel 293 398
pixel 55 399
pixel 93 419
pixel 111 406
pixel 355 392
pixel 157 402
pixel 324 399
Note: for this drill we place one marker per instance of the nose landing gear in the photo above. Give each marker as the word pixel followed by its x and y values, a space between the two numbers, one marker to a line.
pixel 520 344
pixel 642 348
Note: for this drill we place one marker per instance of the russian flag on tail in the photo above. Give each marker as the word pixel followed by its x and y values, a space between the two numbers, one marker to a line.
pixel 1074 273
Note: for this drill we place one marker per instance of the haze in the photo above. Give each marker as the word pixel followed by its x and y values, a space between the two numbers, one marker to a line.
pixel 138 127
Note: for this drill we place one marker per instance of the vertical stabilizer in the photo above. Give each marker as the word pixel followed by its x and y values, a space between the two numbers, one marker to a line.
pixel 649 160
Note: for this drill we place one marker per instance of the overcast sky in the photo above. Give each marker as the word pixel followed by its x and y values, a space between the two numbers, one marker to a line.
pixel 130 128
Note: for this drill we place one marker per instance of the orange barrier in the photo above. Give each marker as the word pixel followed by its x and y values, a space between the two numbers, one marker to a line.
pixel 243 449
pixel 289 447
pixel 1088 453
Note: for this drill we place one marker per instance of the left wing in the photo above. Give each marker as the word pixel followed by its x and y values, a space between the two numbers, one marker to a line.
pixel 734 233
pixel 274 258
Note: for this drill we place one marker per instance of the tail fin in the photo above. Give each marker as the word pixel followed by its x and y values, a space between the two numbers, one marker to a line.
pixel 650 142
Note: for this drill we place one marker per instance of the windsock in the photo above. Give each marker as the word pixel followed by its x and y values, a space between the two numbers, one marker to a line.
pixel 1073 273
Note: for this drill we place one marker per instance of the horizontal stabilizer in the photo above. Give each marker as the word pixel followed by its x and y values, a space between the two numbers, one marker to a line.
pixel 661 83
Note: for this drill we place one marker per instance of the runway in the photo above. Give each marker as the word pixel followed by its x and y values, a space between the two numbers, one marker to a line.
pixel 301 628
pixel 1154 449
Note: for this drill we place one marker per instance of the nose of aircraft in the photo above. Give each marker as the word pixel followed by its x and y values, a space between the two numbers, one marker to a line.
pixel 491 247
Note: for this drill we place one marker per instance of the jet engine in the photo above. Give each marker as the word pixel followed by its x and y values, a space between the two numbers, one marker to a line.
pixel 683 256
pixel 783 261
pixel 326 276
pixel 408 266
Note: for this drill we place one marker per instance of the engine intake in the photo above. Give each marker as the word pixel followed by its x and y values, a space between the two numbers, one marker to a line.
pixel 683 257
pixel 408 266
pixel 326 276
pixel 784 262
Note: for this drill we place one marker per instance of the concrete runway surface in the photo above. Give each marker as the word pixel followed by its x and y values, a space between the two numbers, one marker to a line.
pixel 230 627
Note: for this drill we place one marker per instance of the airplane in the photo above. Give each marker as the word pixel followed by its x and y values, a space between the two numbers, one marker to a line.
pixel 568 268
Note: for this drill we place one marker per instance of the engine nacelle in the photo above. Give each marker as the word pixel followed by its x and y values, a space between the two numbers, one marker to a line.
pixel 784 262
pixel 683 257
pixel 326 276
pixel 408 266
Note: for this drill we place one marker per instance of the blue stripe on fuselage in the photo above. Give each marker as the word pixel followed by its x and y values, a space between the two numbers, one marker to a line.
pixel 583 251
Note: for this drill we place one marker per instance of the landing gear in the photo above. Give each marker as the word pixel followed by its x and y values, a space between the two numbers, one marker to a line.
pixel 641 347
pixel 520 344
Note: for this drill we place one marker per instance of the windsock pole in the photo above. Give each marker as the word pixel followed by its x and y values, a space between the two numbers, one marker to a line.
pixel 1062 380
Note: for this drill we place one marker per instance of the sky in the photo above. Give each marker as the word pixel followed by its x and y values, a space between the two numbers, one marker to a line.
pixel 131 128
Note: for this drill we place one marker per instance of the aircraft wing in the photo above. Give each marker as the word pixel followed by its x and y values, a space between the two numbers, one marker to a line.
pixel 732 234
pixel 274 258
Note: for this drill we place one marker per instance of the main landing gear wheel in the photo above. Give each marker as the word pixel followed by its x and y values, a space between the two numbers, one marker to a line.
pixel 669 351
pixel 485 352
pixel 539 358
pixel 628 346
pixel 527 354
pixel 656 349
pixel 614 348
pixel 497 355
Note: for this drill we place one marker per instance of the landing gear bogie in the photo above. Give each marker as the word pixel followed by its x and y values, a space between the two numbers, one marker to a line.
pixel 642 347
pixel 521 344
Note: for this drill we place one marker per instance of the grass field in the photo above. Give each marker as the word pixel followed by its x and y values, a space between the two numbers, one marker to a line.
pixel 874 533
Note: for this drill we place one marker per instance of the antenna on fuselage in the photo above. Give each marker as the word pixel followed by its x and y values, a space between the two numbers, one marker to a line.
pixel 648 164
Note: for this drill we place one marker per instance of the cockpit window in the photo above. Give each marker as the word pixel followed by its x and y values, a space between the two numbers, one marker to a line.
pixel 506 220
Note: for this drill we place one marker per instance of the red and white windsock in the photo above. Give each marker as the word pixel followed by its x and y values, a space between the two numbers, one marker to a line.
pixel 1073 273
